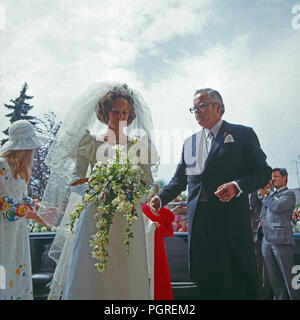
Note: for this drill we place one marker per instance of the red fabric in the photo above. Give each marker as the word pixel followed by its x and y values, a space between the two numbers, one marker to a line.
pixel 183 229
pixel 178 221
pixel 162 280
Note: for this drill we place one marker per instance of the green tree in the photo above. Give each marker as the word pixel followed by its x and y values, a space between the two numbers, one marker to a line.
pixel 20 109
pixel 40 171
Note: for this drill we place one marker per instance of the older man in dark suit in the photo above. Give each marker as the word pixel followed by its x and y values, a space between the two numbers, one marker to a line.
pixel 278 241
pixel 221 164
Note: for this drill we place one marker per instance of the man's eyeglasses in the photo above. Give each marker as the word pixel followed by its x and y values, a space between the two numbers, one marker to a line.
pixel 201 106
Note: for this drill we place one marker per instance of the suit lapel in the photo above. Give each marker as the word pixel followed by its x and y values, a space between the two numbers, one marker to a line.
pixel 218 141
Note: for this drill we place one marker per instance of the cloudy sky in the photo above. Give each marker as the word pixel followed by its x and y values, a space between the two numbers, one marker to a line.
pixel 247 50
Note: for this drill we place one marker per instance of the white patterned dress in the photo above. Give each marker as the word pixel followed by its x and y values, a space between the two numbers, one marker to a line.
pixel 15 261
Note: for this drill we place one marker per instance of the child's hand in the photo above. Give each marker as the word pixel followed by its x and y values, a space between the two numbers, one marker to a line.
pixel 156 225
pixel 33 216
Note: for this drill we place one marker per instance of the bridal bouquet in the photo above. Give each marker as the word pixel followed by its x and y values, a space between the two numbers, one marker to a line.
pixel 114 187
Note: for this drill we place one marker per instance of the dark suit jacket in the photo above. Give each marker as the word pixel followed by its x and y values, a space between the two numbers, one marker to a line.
pixel 255 203
pixel 277 214
pixel 241 160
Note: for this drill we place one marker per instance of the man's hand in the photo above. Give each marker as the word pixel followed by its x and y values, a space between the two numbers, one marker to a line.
pixel 226 191
pixel 263 192
pixel 155 205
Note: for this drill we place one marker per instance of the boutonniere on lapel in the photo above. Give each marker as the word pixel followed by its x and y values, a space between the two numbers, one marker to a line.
pixel 228 138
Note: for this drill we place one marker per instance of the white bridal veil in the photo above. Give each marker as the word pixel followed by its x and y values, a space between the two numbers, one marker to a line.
pixel 61 160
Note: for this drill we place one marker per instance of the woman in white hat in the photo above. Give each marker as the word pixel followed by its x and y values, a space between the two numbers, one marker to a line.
pixel 16 158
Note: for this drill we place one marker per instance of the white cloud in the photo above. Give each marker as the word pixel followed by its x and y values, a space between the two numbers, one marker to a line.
pixel 64 44
pixel 61 46
pixel 181 20
pixel 260 89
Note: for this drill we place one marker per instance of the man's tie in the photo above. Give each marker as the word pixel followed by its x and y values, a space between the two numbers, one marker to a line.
pixel 274 193
pixel 208 142
pixel 208 139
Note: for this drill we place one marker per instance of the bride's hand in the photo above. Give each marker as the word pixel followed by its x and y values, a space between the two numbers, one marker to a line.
pixel 49 216
pixel 78 182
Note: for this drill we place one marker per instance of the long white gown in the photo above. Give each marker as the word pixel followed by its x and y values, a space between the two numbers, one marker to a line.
pixel 127 275
pixel 15 261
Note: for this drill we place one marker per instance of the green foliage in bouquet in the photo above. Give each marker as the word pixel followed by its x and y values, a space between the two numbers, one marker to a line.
pixel 114 187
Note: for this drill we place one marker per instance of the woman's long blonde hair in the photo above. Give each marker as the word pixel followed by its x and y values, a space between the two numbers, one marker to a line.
pixel 20 162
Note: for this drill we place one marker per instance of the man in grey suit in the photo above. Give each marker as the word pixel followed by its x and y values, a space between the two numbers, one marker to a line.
pixel 278 241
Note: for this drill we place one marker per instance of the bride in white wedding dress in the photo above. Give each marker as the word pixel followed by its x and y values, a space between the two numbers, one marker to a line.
pixel 127 275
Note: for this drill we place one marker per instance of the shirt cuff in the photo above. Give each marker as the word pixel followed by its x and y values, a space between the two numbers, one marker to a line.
pixel 240 190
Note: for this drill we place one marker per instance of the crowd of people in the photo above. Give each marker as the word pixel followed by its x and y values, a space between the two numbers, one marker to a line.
pixel 296 220
pixel 179 207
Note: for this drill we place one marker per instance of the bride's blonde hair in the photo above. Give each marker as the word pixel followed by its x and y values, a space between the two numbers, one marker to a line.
pixel 20 162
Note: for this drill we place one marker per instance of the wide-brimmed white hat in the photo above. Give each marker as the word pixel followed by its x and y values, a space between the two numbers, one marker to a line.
pixel 22 136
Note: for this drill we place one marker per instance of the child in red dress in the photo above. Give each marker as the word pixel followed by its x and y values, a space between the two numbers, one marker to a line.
pixel 164 227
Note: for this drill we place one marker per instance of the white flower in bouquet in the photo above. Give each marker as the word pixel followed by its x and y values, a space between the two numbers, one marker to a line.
pixel 114 187
pixel 134 169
